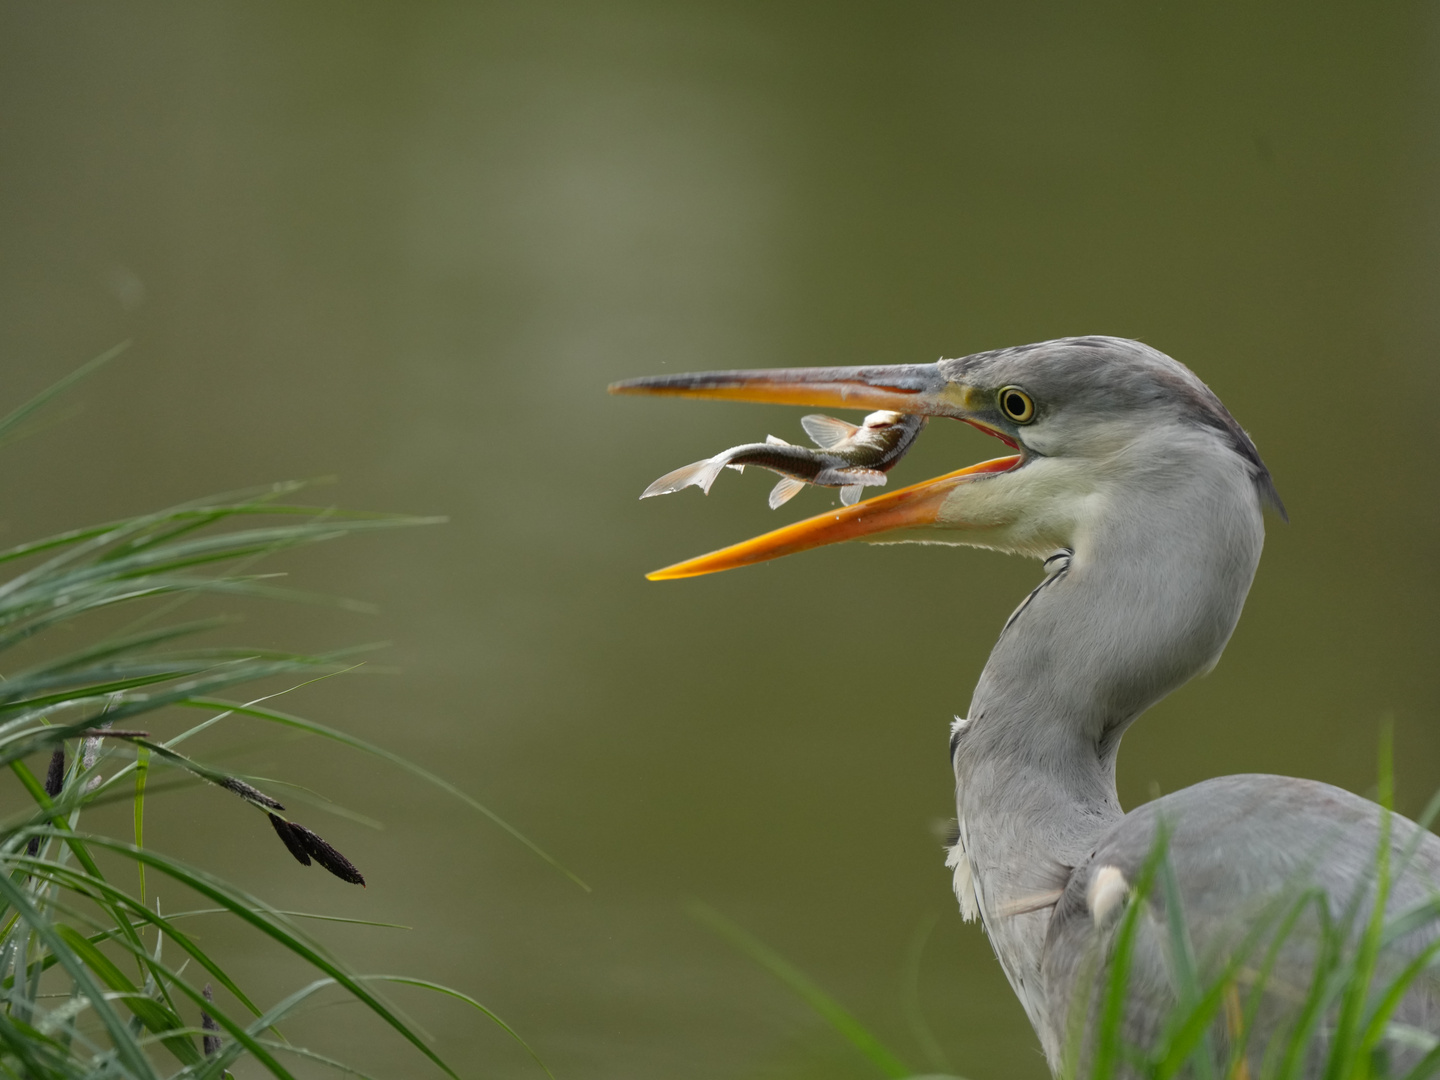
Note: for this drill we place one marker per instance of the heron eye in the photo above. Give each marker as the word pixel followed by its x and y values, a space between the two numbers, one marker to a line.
pixel 1016 404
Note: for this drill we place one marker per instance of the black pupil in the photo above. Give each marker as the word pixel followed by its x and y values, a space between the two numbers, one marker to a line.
pixel 1014 404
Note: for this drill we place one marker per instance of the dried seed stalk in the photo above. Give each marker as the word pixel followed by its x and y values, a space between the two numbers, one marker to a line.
pixel 112 733
pixel 249 793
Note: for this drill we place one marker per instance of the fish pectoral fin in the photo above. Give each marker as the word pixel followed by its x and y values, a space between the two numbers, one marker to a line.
pixel 784 491
pixel 701 474
pixel 826 431
pixel 775 440
pixel 855 482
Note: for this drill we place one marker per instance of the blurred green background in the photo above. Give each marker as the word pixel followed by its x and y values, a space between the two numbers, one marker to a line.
pixel 409 244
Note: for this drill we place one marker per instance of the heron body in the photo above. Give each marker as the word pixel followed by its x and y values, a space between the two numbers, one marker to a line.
pixel 1145 499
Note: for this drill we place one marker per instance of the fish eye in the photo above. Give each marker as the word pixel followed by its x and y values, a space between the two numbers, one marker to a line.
pixel 1017 404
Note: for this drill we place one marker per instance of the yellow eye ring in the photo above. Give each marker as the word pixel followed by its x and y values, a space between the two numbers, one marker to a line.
pixel 1016 404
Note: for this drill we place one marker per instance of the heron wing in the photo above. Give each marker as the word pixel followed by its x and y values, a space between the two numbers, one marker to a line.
pixel 1246 852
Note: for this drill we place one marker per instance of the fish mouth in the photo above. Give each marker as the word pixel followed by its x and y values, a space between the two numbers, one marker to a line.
pixel 916 512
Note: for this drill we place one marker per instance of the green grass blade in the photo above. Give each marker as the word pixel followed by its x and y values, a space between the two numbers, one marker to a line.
pixel 1394 993
pixel 311 1055
pixel 1411 919
pixel 1108 1049
pixel 1427 1067
pixel 142 771
pixel 1201 1006
pixel 15 416
pixel 914 1014
pixel 213 509
pixel 425 984
pixel 293 915
pixel 840 1019
pixel 1349 1030
pixel 248 1038
pixel 110 648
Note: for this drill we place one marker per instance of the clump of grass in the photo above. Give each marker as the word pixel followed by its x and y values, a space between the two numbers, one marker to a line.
pixel 88 987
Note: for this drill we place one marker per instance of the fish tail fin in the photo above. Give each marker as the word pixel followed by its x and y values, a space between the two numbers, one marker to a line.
pixel 701 474
pixel 784 491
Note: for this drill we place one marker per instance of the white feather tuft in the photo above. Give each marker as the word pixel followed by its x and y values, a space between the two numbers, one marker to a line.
pixel 1105 893
pixel 963 881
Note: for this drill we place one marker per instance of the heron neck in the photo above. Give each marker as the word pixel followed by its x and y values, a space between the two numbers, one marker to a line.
pixel 1150 596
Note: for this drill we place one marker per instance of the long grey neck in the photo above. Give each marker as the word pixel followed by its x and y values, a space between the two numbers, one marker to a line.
pixel 1146 600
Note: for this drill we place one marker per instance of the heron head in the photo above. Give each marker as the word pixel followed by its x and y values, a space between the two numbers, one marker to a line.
pixel 1089 420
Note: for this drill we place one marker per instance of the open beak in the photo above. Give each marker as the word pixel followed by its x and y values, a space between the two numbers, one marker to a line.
pixel 917 389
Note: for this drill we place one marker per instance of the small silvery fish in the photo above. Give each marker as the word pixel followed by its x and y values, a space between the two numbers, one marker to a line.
pixel 850 458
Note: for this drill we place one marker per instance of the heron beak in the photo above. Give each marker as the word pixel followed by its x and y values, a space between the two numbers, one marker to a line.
pixel 917 389
pixel 905 388
pixel 909 511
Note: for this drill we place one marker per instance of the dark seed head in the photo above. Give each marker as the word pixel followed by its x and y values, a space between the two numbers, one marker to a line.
pixel 248 793
pixel 328 857
pixel 55 778
pixel 291 839
pixel 54 781
pixel 207 1022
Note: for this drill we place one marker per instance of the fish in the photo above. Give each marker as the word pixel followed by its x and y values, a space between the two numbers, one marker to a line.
pixel 849 457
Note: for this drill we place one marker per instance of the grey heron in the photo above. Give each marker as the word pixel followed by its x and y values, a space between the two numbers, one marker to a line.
pixel 1144 498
